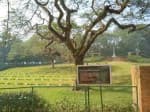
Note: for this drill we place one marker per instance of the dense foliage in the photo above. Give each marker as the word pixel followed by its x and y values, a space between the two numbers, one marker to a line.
pixel 137 43
pixel 22 102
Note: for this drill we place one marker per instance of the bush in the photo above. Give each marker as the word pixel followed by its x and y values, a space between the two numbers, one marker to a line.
pixel 28 102
pixel 22 102
pixel 119 108
pixel 138 59
pixel 66 105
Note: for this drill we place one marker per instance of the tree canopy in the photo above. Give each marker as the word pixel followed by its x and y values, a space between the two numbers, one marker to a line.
pixel 77 23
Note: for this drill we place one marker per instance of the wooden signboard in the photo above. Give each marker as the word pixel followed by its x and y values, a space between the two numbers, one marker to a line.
pixel 94 74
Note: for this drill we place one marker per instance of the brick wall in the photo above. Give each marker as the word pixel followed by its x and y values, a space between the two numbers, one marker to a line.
pixel 141 79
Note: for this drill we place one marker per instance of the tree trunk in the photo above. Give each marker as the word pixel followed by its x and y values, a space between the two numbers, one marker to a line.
pixel 79 60
pixel 52 63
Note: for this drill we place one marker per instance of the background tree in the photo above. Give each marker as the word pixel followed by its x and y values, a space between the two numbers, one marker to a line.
pixel 16 52
pixel 6 41
pixel 52 56
pixel 127 42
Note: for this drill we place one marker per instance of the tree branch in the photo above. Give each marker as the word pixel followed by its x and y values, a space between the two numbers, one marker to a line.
pixel 141 28
pixel 49 43
pixel 51 18
pixel 61 14
pixel 117 11
pixel 100 16
pixel 66 8
pixel 92 6
pixel 68 14
pixel 67 30
pixel 42 4
pixel 41 35
pixel 113 20
pixel 95 33
pixel 68 27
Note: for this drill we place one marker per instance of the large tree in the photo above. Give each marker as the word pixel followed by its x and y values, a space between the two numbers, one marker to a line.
pixel 77 23
pixel 6 41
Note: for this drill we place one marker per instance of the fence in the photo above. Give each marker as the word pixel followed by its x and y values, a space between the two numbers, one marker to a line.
pixel 66 99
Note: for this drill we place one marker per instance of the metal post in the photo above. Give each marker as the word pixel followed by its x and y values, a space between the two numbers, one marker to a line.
pixel 32 100
pixel 137 101
pixel 101 96
pixel 85 94
pixel 88 96
pixel 87 99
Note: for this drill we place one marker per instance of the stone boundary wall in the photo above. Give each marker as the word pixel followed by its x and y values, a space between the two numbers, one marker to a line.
pixel 141 78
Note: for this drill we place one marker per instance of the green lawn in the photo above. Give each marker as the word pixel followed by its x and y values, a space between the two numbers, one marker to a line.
pixel 38 75
pixel 65 74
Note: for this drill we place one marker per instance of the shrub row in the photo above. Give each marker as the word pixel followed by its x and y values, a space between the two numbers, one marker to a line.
pixel 28 102
pixel 22 102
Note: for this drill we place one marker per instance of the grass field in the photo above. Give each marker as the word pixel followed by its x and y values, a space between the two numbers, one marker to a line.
pixel 65 74
pixel 38 75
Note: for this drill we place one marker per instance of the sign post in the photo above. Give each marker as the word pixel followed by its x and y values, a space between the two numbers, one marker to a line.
pixel 93 75
pixel 99 74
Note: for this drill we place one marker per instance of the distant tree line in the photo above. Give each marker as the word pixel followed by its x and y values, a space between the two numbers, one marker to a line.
pixel 137 43
pixel 14 50
pixel 17 51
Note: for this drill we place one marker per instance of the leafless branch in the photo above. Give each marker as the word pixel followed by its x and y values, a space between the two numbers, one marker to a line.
pixel 141 28
pixel 68 14
pixel 49 43
pixel 66 8
pixel 51 18
pixel 50 38
pixel 117 11
pixel 112 20
pixel 40 16
pixel 95 33
pixel 41 35
pixel 40 3
pixel 60 15
pixel 100 16
pixel 34 13
pixel 92 6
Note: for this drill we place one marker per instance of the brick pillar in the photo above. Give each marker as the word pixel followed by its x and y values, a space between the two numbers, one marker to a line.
pixel 141 78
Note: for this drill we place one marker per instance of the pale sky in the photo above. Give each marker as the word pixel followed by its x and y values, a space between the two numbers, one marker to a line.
pixel 3 14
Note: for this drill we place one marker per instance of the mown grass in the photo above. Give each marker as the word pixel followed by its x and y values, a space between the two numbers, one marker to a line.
pixel 65 74
pixel 39 75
